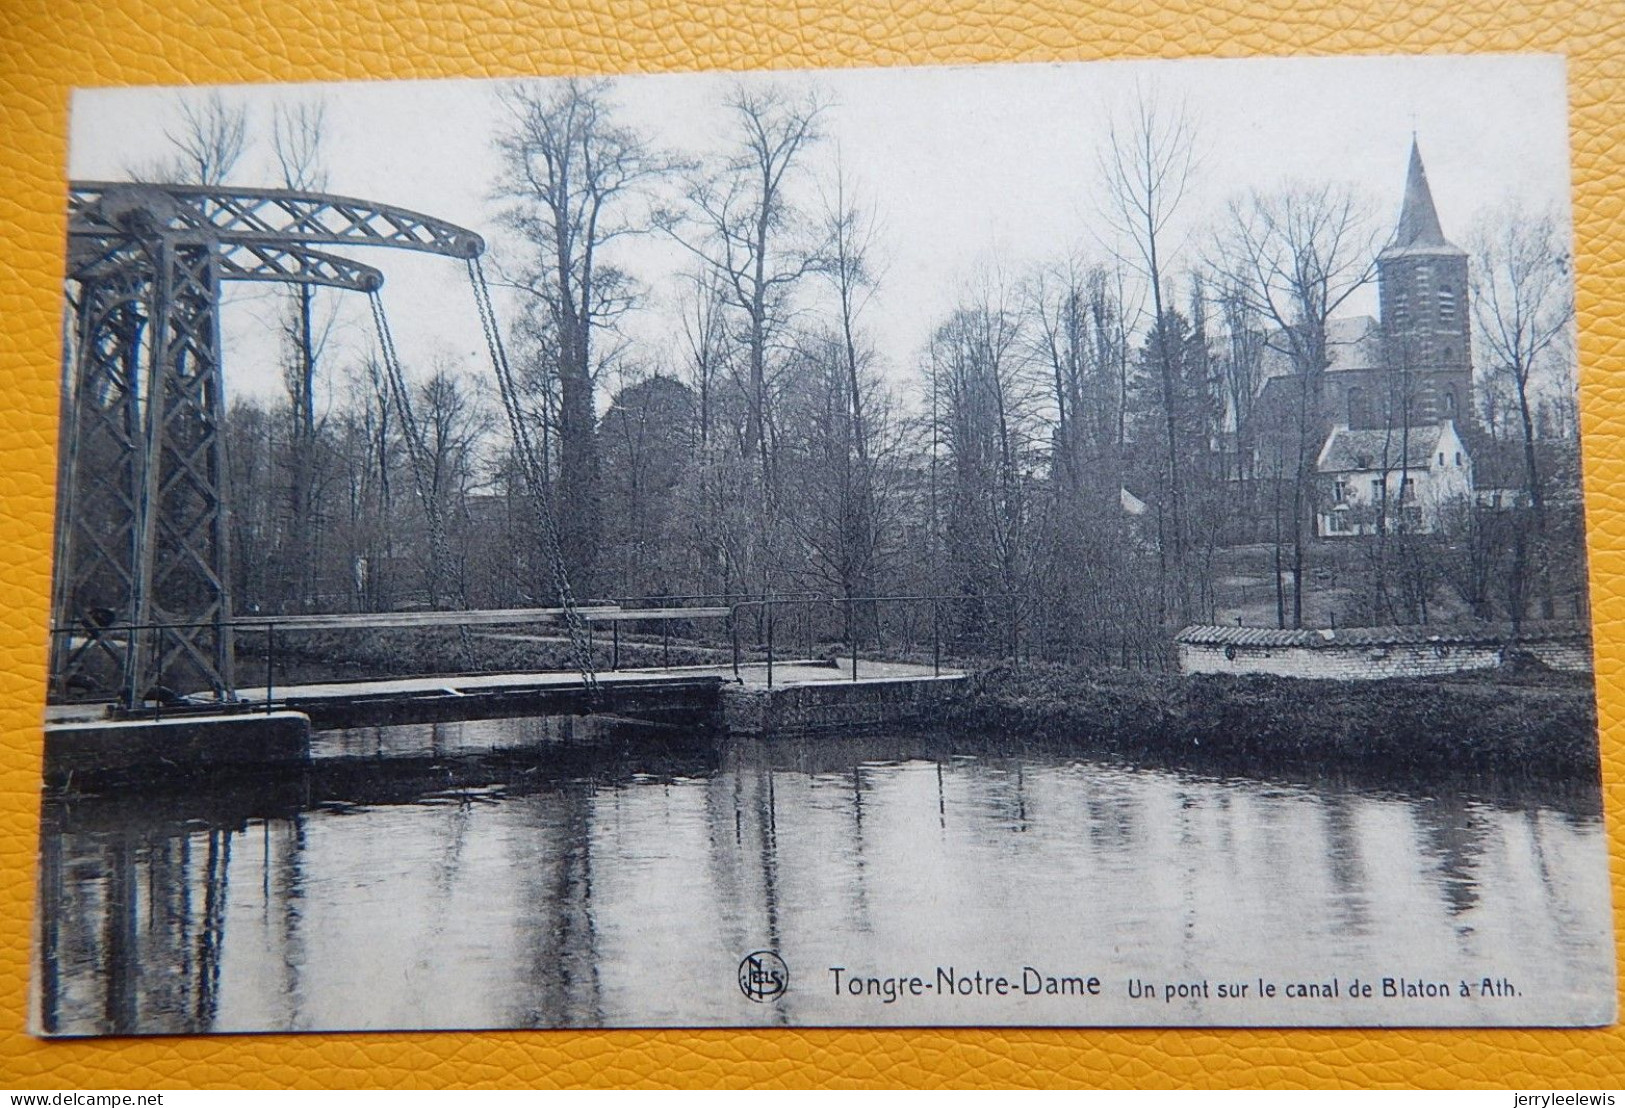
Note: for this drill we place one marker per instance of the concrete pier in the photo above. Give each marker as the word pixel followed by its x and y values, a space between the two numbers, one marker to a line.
pixel 790 698
pixel 84 749
pixel 808 697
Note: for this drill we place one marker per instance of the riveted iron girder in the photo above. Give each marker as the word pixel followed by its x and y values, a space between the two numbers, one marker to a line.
pixel 260 216
pixel 90 259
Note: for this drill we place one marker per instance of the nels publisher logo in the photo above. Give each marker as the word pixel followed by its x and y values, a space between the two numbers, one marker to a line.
pixel 763 976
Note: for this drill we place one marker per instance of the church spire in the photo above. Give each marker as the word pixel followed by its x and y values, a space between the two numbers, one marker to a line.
pixel 1418 219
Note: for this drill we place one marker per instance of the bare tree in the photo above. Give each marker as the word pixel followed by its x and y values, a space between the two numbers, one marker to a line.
pixel 249 456
pixel 297 134
pixel 1060 336
pixel 832 487
pixel 1078 329
pixel 850 233
pixel 979 374
pixel 1146 165
pixel 376 457
pixel 1294 258
pixel 1241 368
pixel 453 426
pixel 702 304
pixel 208 141
pixel 750 232
pixel 1523 305
pixel 715 531
pixel 572 178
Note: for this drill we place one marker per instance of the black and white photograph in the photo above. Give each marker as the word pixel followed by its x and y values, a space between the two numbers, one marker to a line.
pixel 1025 545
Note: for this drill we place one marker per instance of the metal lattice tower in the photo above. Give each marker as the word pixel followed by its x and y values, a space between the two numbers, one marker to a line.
pixel 142 536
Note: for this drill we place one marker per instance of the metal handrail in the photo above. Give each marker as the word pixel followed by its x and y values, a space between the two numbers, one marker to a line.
pixel 935 600
pixel 270 625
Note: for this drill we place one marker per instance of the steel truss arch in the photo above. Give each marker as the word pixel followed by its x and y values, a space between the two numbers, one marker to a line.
pixel 142 538
pixel 237 215
pixel 290 264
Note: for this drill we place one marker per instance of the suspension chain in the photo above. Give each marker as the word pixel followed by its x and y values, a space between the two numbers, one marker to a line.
pixel 534 471
pixel 415 449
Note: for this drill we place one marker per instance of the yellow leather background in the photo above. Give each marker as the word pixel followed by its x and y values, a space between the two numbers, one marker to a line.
pixel 49 46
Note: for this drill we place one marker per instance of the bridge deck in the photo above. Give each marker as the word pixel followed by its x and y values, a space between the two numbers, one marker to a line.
pixel 82 740
pixel 787 673
pixel 488 617
pixel 684 690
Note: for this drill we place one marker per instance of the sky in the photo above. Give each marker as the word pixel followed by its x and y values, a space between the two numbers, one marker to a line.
pixel 966 170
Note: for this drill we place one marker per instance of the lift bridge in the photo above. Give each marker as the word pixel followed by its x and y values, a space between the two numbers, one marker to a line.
pixel 143 581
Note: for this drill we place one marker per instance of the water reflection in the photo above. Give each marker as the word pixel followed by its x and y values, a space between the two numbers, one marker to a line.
pixel 536 873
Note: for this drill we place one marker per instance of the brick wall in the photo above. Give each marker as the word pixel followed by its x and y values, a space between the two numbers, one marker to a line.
pixel 1573 655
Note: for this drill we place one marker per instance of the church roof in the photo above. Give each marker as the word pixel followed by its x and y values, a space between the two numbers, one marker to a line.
pixel 1419 231
pixel 1352 343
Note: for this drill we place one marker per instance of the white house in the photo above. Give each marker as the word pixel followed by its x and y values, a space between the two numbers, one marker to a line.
pixel 1400 478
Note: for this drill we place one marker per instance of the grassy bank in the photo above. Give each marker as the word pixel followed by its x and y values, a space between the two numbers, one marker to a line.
pixel 1517 722
pixel 1524 724
pixel 385 653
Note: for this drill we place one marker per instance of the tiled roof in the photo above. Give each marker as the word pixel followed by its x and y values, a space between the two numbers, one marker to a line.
pixel 1352 343
pixel 1207 635
pixel 1373 450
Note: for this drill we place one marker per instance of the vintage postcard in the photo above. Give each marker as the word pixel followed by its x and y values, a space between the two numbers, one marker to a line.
pixel 1062 545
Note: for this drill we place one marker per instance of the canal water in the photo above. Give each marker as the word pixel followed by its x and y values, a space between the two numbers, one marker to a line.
pixel 554 873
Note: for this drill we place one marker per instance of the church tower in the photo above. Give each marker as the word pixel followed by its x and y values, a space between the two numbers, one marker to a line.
pixel 1422 288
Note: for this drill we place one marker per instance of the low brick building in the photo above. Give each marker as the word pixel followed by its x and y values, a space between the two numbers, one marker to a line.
pixel 1374 653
